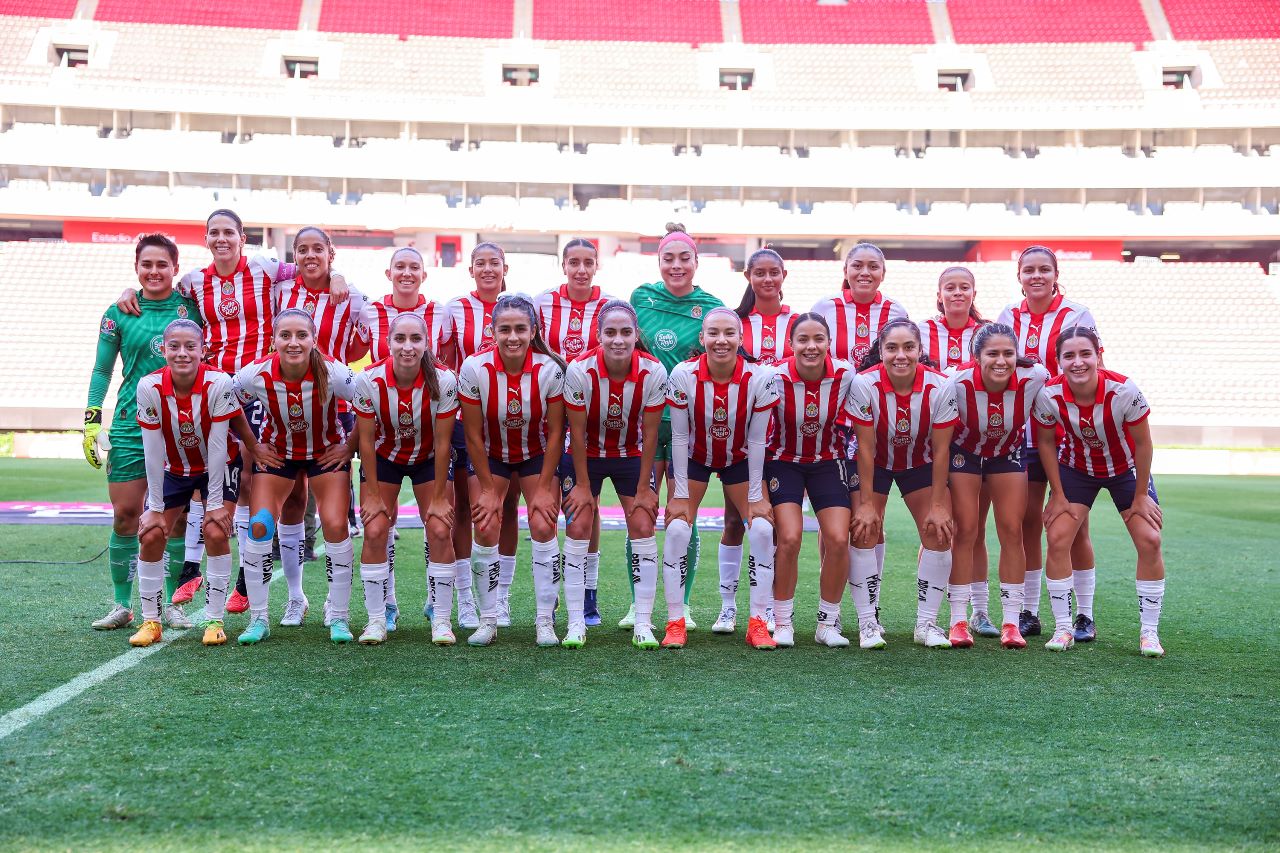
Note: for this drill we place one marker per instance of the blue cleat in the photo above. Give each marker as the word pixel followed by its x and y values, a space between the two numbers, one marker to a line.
pixel 393 613
pixel 339 632
pixel 257 631
pixel 590 611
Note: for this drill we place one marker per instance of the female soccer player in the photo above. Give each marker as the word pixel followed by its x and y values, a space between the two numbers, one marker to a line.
pixel 670 313
pixel 1107 446
pixel 994 397
pixel 407 405
pixel 299 389
pixel 184 410
pixel 1038 320
pixel 513 414
pixel 615 397
pixel 905 415
pixel 807 456
pixel 721 404
pixel 137 342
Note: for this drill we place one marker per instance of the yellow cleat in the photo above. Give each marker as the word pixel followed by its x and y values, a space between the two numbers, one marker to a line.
pixel 149 633
pixel 214 635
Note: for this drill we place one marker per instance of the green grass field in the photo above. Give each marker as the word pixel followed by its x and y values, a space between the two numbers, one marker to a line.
pixel 298 743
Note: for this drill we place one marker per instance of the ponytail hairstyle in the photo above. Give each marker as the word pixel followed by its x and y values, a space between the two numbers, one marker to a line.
pixel 807 317
pixel 748 303
pixel 857 247
pixel 626 307
pixel 1087 332
pixel 323 235
pixel 875 357
pixel 676 233
pixel 1043 250
pixel 429 362
pixel 721 309
pixel 973 307
pixel 413 249
pixel 316 362
pixel 996 330
pixel 522 304
pixel 488 244
pixel 577 243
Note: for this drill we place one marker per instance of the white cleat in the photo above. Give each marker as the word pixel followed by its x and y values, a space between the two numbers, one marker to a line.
pixel 929 635
pixel 629 621
pixel 328 612
pixel 374 633
pixel 117 617
pixel 828 636
pixel 176 617
pixel 484 635
pixel 642 637
pixel 295 610
pixel 1149 644
pixel 869 635
pixel 1062 639
pixel 468 616
pixel 504 610
pixel 784 636
pixel 546 631
pixel 769 621
pixel 689 624
pixel 726 622
pixel 442 633
pixel 575 636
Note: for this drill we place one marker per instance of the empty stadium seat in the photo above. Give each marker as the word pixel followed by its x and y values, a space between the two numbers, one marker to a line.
pixel 1223 19
pixel 1026 21
pixel 264 14
pixel 457 18
pixel 687 21
pixel 813 22
pixel 38 8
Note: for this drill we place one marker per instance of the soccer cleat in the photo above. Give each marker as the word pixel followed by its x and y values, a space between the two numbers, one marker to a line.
pixel 769 621
pixel 982 625
pixel 468 616
pixel 117 617
pixel 758 635
pixel 310 554
pixel 176 617
pixel 295 610
pixel 257 631
pixel 237 603
pixel 393 613
pixel 726 622
pixel 340 633
pixel 642 637
pixel 353 530
pixel 1149 644
pixel 188 590
pixel 146 635
pixel 1011 637
pixel 689 624
pixel 374 633
pixel 828 636
pixel 1061 640
pixel 870 635
pixel 959 636
pixel 545 629
pixel 1084 629
pixel 442 633
pixel 1028 624
pixel 676 635
pixel 929 635
pixel 214 633
pixel 504 610
pixel 590 609
pixel 484 635
pixel 629 621
pixel 784 636
pixel 328 612
pixel 575 636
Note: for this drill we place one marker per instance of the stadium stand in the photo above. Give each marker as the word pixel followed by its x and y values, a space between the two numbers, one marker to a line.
pixel 1250 74
pixel 1223 19
pixel 38 8
pixel 812 22
pixel 265 14
pixel 1024 21
pixel 456 18
pixel 687 21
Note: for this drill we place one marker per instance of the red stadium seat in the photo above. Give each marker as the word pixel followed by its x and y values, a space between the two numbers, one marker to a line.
pixel 1023 21
pixel 456 18
pixel 1223 19
pixel 38 8
pixel 265 14
pixel 688 21
pixel 854 22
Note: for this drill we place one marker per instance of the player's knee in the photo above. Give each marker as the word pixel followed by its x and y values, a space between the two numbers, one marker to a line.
pixel 1146 539
pixel 761 534
pixel 214 535
pixel 789 539
pixel 154 539
pixel 580 526
pixel 376 530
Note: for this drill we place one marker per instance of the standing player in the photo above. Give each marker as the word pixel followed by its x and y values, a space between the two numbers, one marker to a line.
pixel 721 405
pixel 1107 446
pixel 138 341
pixel 615 397
pixel 670 313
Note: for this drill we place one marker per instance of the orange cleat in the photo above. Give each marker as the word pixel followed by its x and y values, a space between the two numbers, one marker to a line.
pixel 1010 637
pixel 758 634
pixel 676 635
pixel 188 590
pixel 959 636
pixel 237 603
pixel 146 635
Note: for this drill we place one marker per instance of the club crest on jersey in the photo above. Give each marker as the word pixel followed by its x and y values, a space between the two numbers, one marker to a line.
pixel 513 406
pixel 295 410
pixel 954 352
pixel 157 345
pixel 811 410
pixel 1033 340
pixel 721 414
pixel 186 427
pixel 863 330
pixel 767 343
pixel 957 461
pixel 696 312
pixel 309 306
pixel 573 346
pixel 575 324
pixel 774 484
pixel 665 339
pixel 1088 432
pixel 487 332
pixel 228 288
pixel 903 425
pixel 181 312
pixel 229 308
pixel 995 420
pixel 615 410
pixel 406 419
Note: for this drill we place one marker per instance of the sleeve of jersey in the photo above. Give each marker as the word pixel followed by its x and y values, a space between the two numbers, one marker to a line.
pixel 153 457
pixel 575 387
pixel 898 312
pixel 1006 316
pixel 447 405
pixel 223 405
pixel 655 396
pixel 148 404
pixel 104 360
pixel 446 324
pixel 1136 407
pixel 1043 410
pixel 362 401
pixel 276 271
pixel 555 383
pixel 193 311
pixel 342 379
pixel 468 386
pixel 186 286
pixel 766 394
pixel 945 410
pixel 365 322
pixel 859 400
pixel 1086 319
pixel 242 383
pixel 678 389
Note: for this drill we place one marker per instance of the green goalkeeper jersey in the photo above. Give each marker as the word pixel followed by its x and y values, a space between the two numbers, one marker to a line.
pixel 139 342
pixel 670 325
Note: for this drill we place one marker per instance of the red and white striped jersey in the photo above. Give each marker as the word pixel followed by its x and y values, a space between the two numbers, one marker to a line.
pixel 184 422
pixel 804 424
pixel 375 323
pixel 514 408
pixel 854 326
pixel 992 424
pixel 718 412
pixel 767 338
pixel 296 423
pixel 1038 333
pixel 404 418
pixel 904 423
pixel 615 409
pixel 570 328
pixel 1097 440
pixel 238 310
pixel 469 325
pixel 947 347
pixel 336 323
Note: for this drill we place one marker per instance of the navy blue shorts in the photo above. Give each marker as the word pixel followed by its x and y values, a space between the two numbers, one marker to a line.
pixel 910 480
pixel 826 482
pixel 730 475
pixel 458 441
pixel 847 440
pixel 311 467
pixel 1035 471
pixel 506 470
pixel 1080 488
pixel 256 414
pixel 964 462
pixel 347 420
pixel 179 490
pixel 394 472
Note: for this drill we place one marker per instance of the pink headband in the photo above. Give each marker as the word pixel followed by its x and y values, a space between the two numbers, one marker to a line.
pixel 677 237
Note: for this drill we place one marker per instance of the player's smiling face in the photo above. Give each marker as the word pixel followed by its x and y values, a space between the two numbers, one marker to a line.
pixel 224 239
pixel 721 337
pixel 900 352
pixel 864 272
pixel 407 342
pixel 406 273
pixel 183 349
pixel 488 270
pixel 810 344
pixel 1038 277
pixel 580 266
pixel 677 266
pixel 313 254
pixel 155 272
pixel 998 359
pixel 294 340
pixel 766 279
pixel 955 292
pixel 618 337
pixel 512 333
pixel 1078 361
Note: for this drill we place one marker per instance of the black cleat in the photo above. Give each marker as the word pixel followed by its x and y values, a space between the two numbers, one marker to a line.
pixel 1084 629
pixel 190 571
pixel 1028 624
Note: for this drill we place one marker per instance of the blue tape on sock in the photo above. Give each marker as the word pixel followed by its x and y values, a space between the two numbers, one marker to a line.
pixel 268 525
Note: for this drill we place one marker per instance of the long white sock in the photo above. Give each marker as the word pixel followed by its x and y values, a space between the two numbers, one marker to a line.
pixel 958 599
pixel 593 569
pixel 828 612
pixel 484 576
pixel 373 577
pixel 506 572
pixel 255 560
pixel 1031 590
pixel 873 583
pixel 217 580
pixel 1084 582
pixel 242 528
pixel 1060 602
pixel 760 566
pixel 195 533
pixel 730 571
pixel 575 577
pixel 862 567
pixel 783 611
pixel 389 588
pixel 1150 600
pixel 1010 603
pixel 675 566
pixel 644 577
pixel 151 587
pixel 980 596
pixel 440 589
pixel 291 557
pixel 337 561
pixel 546 581
pixel 931 583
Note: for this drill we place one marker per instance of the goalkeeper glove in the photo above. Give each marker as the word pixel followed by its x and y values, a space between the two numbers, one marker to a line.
pixel 92 426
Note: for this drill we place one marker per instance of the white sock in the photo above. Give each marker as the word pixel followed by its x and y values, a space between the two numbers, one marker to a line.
pixel 873 584
pixel 337 562
pixel 730 571
pixel 217 580
pixel 373 577
pixel 760 566
pixel 242 528
pixel 506 572
pixel 256 562
pixel 675 566
pixel 644 577
pixel 931 582
pixel 1083 582
pixel 291 557
pixel 980 596
pixel 783 611
pixel 151 587
pixel 546 579
pixel 484 576
pixel 1010 603
pixel 575 577
pixel 1060 602
pixel 958 599
pixel 440 589
pixel 389 588
pixel 828 612
pixel 1031 591
pixel 462 577
pixel 195 533
pixel 593 569
pixel 862 566
pixel 1150 600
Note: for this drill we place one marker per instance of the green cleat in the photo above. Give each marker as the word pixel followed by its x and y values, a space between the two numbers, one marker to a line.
pixel 339 632
pixel 642 637
pixel 257 631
